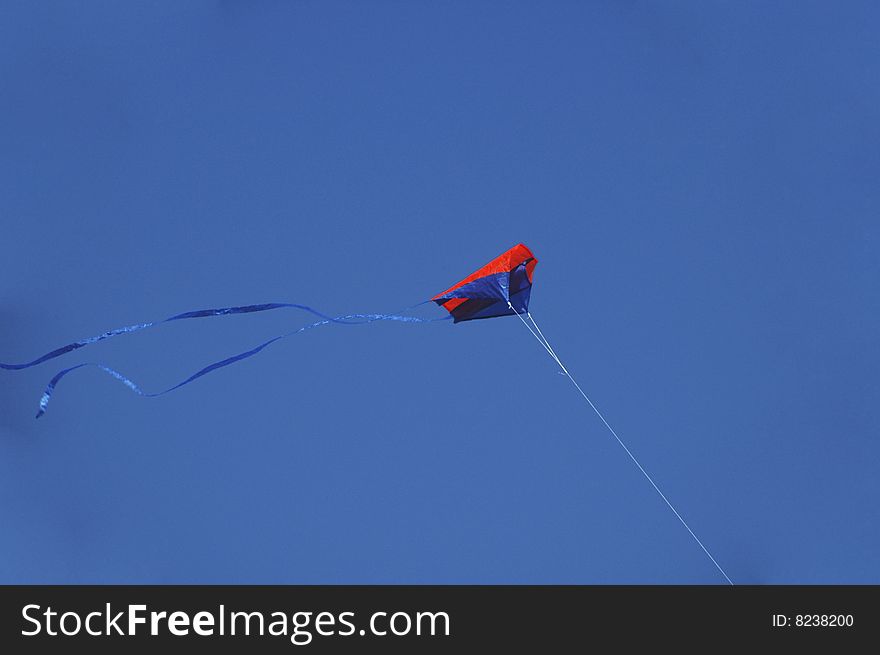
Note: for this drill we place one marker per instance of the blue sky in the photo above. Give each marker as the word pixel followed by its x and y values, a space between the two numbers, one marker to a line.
pixel 698 181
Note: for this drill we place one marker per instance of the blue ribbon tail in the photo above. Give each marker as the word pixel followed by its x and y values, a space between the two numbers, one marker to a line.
pixel 200 313
pixel 350 319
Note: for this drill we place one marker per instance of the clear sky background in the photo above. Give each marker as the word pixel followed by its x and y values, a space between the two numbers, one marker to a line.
pixel 698 180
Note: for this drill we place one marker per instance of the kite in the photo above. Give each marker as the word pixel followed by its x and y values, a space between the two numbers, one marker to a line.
pixel 500 288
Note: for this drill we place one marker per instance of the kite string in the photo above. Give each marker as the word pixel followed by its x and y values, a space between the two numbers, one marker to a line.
pixel 544 342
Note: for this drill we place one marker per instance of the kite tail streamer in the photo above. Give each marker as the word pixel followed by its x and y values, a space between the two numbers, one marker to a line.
pixel 350 319
pixel 536 332
pixel 200 313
